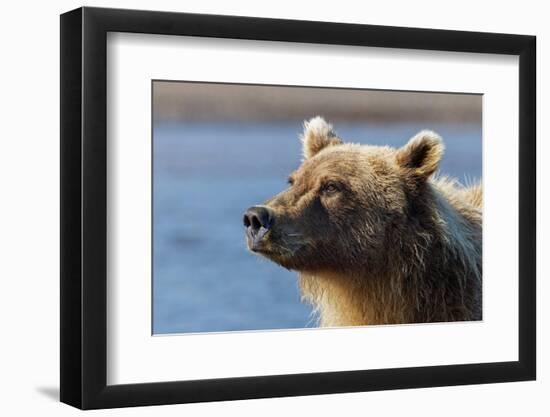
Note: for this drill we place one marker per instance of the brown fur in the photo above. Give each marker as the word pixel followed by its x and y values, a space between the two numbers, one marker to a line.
pixel 375 238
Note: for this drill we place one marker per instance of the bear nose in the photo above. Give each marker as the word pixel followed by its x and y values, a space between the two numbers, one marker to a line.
pixel 257 218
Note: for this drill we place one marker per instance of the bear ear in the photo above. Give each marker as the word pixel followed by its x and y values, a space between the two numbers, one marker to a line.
pixel 421 155
pixel 318 134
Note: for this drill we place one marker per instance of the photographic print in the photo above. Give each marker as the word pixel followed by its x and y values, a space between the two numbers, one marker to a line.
pixel 331 189
pixel 288 207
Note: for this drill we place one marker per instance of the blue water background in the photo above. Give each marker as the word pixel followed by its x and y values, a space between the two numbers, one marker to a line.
pixel 204 176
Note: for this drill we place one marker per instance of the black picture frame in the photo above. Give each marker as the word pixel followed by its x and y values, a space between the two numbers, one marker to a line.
pixel 84 207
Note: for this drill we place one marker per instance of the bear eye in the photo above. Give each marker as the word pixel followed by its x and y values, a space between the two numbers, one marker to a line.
pixel 330 188
pixel 290 181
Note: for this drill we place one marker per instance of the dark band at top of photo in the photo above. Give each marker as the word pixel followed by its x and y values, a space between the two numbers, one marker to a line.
pixel 205 102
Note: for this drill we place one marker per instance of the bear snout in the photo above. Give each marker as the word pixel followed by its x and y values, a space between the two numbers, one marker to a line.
pixel 257 220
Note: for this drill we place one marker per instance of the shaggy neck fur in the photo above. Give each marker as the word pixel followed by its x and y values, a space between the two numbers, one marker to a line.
pixel 445 240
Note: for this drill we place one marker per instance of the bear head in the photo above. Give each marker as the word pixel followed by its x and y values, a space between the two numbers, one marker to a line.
pixel 346 205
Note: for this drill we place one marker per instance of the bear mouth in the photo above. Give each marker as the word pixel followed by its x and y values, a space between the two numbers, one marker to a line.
pixel 265 248
pixel 256 240
pixel 280 251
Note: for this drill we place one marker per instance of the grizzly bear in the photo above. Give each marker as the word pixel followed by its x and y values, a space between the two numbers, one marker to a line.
pixel 375 236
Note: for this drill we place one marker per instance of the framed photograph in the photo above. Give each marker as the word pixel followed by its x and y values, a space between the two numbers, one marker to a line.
pixel 258 208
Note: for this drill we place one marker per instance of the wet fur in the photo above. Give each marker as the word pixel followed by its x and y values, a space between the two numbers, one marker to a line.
pixel 434 276
pixel 392 245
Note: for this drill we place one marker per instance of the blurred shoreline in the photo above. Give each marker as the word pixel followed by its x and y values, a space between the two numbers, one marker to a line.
pixel 207 102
